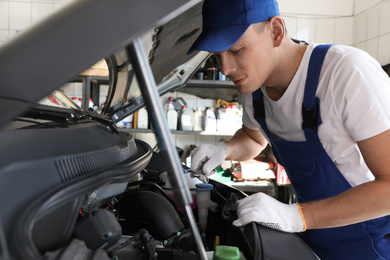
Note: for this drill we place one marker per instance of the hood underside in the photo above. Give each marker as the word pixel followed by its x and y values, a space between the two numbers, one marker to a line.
pixel 54 51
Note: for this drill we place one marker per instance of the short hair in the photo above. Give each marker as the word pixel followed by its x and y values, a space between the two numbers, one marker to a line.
pixel 260 27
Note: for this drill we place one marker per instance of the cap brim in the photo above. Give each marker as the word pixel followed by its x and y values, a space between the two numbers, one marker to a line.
pixel 218 40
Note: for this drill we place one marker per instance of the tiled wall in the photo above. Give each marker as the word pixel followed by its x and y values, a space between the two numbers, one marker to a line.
pixel 328 21
pixel 364 24
pixel 320 29
pixel 372 28
pixel 18 15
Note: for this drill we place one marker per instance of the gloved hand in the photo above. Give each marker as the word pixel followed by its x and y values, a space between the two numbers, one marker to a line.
pixel 206 157
pixel 271 213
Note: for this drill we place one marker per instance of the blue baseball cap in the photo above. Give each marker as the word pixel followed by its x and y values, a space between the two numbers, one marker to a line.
pixel 225 21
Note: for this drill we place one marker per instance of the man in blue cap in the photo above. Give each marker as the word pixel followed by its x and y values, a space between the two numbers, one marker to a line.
pixel 325 111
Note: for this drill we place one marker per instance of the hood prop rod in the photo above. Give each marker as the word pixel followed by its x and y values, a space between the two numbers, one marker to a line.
pixel 153 104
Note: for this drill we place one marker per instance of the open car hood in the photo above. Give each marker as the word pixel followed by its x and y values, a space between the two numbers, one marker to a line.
pixel 56 50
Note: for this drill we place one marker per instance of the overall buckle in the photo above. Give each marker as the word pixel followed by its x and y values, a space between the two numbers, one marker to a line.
pixel 311 118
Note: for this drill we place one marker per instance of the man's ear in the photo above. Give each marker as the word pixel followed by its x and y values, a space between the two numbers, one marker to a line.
pixel 278 30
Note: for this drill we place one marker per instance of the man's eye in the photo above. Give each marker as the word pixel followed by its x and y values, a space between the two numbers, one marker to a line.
pixel 236 51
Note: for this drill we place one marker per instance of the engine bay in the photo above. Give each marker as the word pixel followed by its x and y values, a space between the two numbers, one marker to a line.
pixel 145 222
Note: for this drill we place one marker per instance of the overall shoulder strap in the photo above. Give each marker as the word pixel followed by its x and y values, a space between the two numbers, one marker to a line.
pixel 258 105
pixel 259 111
pixel 311 104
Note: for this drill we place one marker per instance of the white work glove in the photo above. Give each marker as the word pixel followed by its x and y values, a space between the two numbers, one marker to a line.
pixel 206 157
pixel 271 213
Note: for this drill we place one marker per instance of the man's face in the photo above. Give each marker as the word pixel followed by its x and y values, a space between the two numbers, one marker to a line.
pixel 249 63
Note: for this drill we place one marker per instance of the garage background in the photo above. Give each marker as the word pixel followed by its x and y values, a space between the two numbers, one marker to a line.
pixel 364 24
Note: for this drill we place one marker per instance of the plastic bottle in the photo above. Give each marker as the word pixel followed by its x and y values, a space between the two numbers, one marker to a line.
pixel 167 104
pixel 198 119
pixel 142 118
pixel 203 199
pixel 100 109
pixel 186 119
pixel 128 121
pixel 239 119
pixel 171 116
pixel 91 104
pixel 178 104
pixel 220 117
pixel 230 119
pixel 210 124
pixel 80 100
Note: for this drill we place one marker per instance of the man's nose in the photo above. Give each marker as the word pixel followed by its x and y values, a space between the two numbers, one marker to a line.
pixel 226 64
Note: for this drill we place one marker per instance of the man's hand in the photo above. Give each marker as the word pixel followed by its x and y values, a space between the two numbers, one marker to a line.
pixel 206 157
pixel 271 213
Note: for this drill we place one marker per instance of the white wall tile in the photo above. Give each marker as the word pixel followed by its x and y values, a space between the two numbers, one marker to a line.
pixel 372 48
pixel 4 17
pixel 291 25
pixel 363 5
pixel 40 10
pixel 12 33
pixel 20 15
pixel 191 103
pixel 44 1
pixel 203 103
pixel 384 50
pixel 77 89
pixel 149 138
pixel 306 29
pixel 60 4
pixel 344 31
pixel 205 139
pixel 325 30
pixel 185 95
pixel 384 22
pixel 184 141
pixel 316 7
pixel 360 28
pixel 4 35
pixel 373 22
pixel 361 46
pixel 68 89
pixel 103 92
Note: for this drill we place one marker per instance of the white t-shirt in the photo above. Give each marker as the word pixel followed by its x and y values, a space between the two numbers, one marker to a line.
pixel 354 94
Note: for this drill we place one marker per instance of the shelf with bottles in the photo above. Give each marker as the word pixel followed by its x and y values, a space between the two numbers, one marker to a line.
pixel 226 119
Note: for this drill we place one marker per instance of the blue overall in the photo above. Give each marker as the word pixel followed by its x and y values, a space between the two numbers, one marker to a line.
pixel 314 176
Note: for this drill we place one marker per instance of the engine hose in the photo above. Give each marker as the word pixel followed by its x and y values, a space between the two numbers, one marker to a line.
pixel 151 211
pixel 162 191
